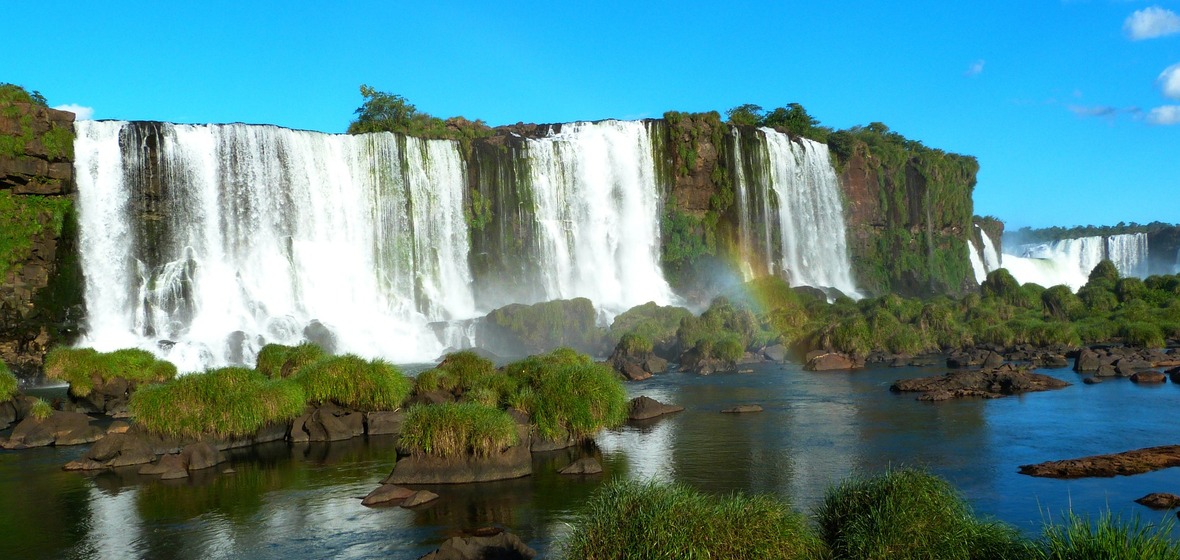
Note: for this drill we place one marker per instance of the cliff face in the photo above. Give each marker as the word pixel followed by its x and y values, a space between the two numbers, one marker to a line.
pixel 40 274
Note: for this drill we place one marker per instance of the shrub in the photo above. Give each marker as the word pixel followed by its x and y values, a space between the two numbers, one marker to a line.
pixel 905 514
pixel 654 322
pixel 457 429
pixel 552 324
pixel 729 348
pixel 1142 334
pixel 1104 273
pixel 1109 538
pixel 632 344
pixel 277 361
pixel 568 395
pixel 80 367
pixel 41 410
pixel 7 383
pixel 629 519
pixel 353 382
pixel 222 402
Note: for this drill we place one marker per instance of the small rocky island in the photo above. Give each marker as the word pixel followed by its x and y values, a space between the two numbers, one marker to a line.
pixel 1003 381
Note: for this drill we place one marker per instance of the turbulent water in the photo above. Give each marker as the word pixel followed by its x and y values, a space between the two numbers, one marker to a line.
pixel 1070 261
pixel 790 213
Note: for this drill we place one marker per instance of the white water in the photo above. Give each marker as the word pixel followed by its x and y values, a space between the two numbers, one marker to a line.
pixel 800 196
pixel 597 211
pixel 271 229
pixel 976 263
pixel 1070 261
pixel 985 261
pixel 991 256
pixel 1128 252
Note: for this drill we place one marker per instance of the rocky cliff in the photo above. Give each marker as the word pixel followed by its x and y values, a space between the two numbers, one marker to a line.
pixel 40 275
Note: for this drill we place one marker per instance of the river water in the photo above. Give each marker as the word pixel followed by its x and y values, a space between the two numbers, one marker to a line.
pixel 303 501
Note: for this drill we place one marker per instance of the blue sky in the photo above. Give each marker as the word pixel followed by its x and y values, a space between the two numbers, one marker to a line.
pixel 1055 98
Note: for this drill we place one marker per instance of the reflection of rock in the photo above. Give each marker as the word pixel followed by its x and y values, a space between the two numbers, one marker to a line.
pixel 743 409
pixel 643 407
pixel 386 494
pixel 1007 380
pixel 1159 500
pixel 59 428
pixel 418 498
pixel 1126 463
pixel 585 465
pixel 503 546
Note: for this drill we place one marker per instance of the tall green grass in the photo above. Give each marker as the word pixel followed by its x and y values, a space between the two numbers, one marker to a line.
pixel 277 360
pixel 7 383
pixel 223 402
pixel 568 396
pixel 353 382
pixel 629 519
pixel 910 514
pixel 1108 538
pixel 41 409
pixel 457 429
pixel 80 367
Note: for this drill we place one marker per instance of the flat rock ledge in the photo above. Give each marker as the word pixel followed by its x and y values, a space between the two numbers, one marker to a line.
pixel 1127 463
pixel 1160 500
pixel 644 407
pixel 989 384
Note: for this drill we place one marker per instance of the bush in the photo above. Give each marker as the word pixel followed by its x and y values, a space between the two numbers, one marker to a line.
pixel 7 383
pixel 632 344
pixel 544 326
pixel 80 367
pixel 41 410
pixel 278 361
pixel 567 394
pixel 649 520
pixel 653 322
pixel 1109 539
pixel 457 430
pixel 1142 334
pixel 351 381
pixel 223 402
pixel 905 514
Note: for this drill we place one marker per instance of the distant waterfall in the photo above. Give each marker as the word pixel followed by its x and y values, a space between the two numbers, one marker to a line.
pixel 983 261
pixel 205 242
pixel 977 267
pixel 790 211
pixel 597 209
pixel 1070 261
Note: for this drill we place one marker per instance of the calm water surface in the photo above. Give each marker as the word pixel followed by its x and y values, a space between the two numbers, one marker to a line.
pixel 303 501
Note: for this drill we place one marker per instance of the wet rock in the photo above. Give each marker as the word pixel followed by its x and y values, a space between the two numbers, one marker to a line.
pixel 386 494
pixel 169 467
pixel 418 498
pixel 643 408
pixel 585 465
pixel 633 371
pixel 1007 380
pixel 1126 463
pixel 118 427
pixel 829 361
pixel 327 422
pixel 775 353
pixel 200 456
pixel 743 409
pixel 1105 370
pixel 1160 500
pixel 993 361
pixel 503 546
pixel 1092 380
pixel 115 450
pixel 1086 362
pixel 1053 361
pixel 60 428
pixel 1148 377
pixel 655 364
pixel 541 445
pixel 384 422
pixel 1129 366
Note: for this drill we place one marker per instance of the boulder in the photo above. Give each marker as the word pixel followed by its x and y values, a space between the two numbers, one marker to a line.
pixel 115 450
pixel 1105 370
pixel 503 546
pixel 386 494
pixel 118 427
pixel 1092 380
pixel 1127 463
pixel 1086 362
pixel 169 467
pixel 384 422
pixel 514 462
pixel 643 408
pixel 775 353
pixel 829 361
pixel 655 364
pixel 7 414
pixel 1148 377
pixel 1159 500
pixel 1005 381
pixel 60 428
pixel 585 465
pixel 200 456
pixel 1053 361
pixel 992 361
pixel 541 445
pixel 1128 366
pixel 633 371
pixel 743 409
pixel 328 422
pixel 418 498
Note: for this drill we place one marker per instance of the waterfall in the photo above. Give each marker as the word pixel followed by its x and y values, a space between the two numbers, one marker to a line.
pixel 788 190
pixel 991 256
pixel 977 266
pixel 1070 261
pixel 1128 252
pixel 597 209
pixel 985 261
pixel 202 243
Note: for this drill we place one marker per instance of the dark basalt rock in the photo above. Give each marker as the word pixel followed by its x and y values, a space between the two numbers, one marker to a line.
pixel 1148 377
pixel 1125 464
pixel 1160 500
pixel 829 361
pixel 419 498
pixel 1007 380
pixel 327 422
pixel 503 546
pixel 775 353
pixel 514 462
pixel 585 465
pixel 386 494
pixel 643 408
pixel 60 428
pixel 384 422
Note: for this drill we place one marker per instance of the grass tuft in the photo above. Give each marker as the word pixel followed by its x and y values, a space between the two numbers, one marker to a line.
pixel 457 429
pixel 223 402
pixel 649 520
pixel 82 367
pixel 278 361
pixel 8 383
pixel 353 382
pixel 1108 538
pixel 41 410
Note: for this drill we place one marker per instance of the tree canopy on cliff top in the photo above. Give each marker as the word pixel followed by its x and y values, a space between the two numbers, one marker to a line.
pixel 389 112
pixel 12 93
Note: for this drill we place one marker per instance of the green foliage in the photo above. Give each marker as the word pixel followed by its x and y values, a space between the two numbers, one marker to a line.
pixel 41 410
pixel 278 361
pixel 633 344
pixel 544 326
pixel 225 402
pixel 1104 272
pixel 1061 304
pixel 457 429
pixel 22 219
pixel 792 118
pixel 1057 233
pixel 627 519
pixel 724 330
pixel 1142 334
pixel 656 323
pixel 745 115
pixel 387 112
pixel 8 384
pixel 905 514
pixel 575 401
pixel 1108 538
pixel 12 93
pixel 353 382
pixel 82 367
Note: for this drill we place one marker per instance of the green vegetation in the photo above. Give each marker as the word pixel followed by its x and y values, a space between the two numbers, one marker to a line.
pixel 909 514
pixel 544 326
pixel 58 141
pixel 792 119
pixel 12 93
pixel 1108 538
pixel 457 429
pixel 41 410
pixel 22 219
pixel 574 401
pixel 83 367
pixel 225 402
pixel 278 361
pixel 657 324
pixel 724 331
pixel 649 520
pixel 8 384
pixel 353 382
pixel 387 112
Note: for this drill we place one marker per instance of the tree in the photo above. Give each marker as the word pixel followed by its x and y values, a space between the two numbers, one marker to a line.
pixel 384 112
pixel 793 118
pixel 745 115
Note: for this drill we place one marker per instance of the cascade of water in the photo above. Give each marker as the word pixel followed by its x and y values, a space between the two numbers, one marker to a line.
pixel 1128 252
pixel 977 266
pixel 597 214
pixel 253 234
pixel 810 215
pixel 991 256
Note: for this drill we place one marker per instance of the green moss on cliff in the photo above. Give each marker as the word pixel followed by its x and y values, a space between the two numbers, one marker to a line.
pixel 22 218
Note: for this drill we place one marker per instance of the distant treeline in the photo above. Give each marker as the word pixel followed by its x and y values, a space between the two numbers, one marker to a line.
pixel 1056 233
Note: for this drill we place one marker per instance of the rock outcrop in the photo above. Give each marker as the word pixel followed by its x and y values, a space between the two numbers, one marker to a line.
pixel 645 408
pixel 1004 381
pixel 1125 464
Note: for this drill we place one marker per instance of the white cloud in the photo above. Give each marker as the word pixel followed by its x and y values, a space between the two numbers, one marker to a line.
pixel 1169 81
pixel 82 113
pixel 1166 115
pixel 1150 23
pixel 975 69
